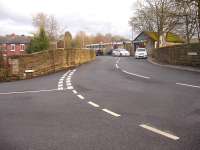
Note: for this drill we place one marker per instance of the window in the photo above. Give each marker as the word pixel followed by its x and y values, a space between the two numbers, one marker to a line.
pixel 22 47
pixel 12 47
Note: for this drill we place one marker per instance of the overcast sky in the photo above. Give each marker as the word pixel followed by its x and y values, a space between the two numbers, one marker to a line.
pixel 91 16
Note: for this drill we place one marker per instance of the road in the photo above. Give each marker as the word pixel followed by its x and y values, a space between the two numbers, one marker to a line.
pixel 109 104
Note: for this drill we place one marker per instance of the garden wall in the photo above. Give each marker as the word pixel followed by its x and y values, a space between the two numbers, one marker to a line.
pixel 187 55
pixel 45 62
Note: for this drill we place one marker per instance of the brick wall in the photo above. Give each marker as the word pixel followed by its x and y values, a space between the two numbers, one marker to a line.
pixel 187 55
pixel 46 62
pixel 16 51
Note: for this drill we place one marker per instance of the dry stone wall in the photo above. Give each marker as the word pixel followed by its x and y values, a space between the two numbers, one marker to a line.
pixel 187 55
pixel 45 62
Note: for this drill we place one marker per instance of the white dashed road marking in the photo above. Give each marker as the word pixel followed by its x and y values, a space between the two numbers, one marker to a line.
pixel 133 74
pixel 68 80
pixel 117 66
pixel 168 135
pixel 93 104
pixel 60 83
pixel 69 84
pixel 188 85
pixel 74 91
pixel 111 113
pixel 137 75
pixel 81 97
pixel 70 87
pixel 118 61
pixel 60 88
pixel 24 92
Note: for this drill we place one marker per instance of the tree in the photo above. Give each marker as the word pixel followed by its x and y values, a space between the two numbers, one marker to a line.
pixel 156 15
pixel 52 28
pixel 191 13
pixel 40 42
pixel 49 23
pixel 142 19
pixel 79 40
pixel 40 20
pixel 188 21
pixel 68 40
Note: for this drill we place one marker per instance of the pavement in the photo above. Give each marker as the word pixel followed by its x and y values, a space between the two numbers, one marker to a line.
pixel 187 68
pixel 111 103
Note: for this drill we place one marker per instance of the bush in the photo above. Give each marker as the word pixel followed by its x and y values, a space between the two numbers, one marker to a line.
pixel 39 42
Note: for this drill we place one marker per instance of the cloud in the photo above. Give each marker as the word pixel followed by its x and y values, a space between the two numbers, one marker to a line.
pixel 90 16
pixel 8 14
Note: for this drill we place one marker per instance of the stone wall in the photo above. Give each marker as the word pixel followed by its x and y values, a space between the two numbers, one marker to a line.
pixel 3 69
pixel 46 62
pixel 187 55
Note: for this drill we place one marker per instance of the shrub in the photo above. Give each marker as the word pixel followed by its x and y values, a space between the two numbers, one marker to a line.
pixel 39 42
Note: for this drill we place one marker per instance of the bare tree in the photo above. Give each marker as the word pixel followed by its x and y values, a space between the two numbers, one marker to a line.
pixel 40 20
pixel 50 24
pixel 52 27
pixel 156 15
pixel 188 21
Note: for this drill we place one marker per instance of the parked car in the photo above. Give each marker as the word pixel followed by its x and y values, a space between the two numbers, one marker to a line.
pixel 141 53
pixel 120 52
pixel 99 52
pixel 110 52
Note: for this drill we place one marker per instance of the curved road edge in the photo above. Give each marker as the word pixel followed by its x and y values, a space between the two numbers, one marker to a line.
pixel 150 60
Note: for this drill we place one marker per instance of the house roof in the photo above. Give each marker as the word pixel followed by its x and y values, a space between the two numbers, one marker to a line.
pixel 152 35
pixel 170 37
pixel 14 39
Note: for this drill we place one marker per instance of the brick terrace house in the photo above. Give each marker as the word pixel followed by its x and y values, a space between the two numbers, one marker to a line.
pixel 14 44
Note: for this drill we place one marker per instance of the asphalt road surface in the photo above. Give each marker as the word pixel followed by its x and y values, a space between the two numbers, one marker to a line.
pixel 110 104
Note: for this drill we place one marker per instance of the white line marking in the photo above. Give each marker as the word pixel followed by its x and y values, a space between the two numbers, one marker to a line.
pixel 68 81
pixel 65 74
pixel 60 82
pixel 112 113
pixel 118 61
pixel 69 78
pixel 117 66
pixel 137 75
pixel 23 92
pixel 70 87
pixel 188 85
pixel 60 88
pixel 74 91
pixel 93 104
pixel 69 84
pixel 80 96
pixel 173 137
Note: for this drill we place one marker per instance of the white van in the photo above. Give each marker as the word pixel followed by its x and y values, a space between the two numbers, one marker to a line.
pixel 141 53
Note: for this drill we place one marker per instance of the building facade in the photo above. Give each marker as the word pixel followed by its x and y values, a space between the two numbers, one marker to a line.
pixel 149 40
pixel 14 44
